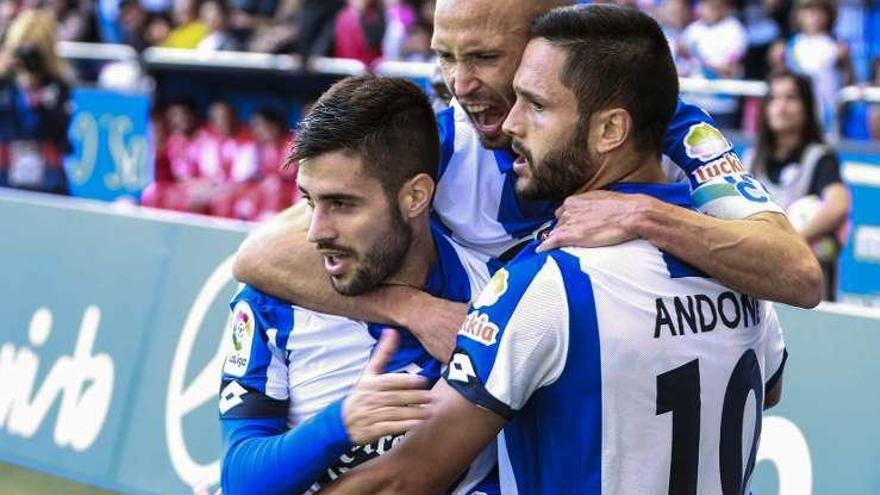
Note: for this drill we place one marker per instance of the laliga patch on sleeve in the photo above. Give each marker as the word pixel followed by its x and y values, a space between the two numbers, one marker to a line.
pixel 494 289
pixel 734 197
pixel 243 329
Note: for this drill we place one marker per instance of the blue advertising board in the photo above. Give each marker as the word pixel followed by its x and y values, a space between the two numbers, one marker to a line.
pixel 111 343
pixel 111 151
pixel 860 258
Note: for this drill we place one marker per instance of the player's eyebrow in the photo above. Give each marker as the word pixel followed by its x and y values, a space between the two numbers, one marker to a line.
pixel 527 95
pixel 346 198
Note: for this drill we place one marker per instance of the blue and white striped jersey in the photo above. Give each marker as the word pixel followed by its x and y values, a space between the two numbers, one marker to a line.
pixel 292 364
pixel 476 199
pixel 621 370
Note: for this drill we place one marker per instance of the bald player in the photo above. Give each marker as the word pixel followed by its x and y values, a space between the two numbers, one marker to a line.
pixel 737 235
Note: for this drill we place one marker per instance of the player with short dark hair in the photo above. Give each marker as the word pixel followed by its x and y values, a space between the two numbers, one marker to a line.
pixel 293 419
pixel 612 370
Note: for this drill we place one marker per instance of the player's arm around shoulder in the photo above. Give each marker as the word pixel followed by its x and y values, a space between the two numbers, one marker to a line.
pixel 740 237
pixel 276 257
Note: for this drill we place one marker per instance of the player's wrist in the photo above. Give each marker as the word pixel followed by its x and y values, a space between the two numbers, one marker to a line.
pixel 642 220
pixel 409 304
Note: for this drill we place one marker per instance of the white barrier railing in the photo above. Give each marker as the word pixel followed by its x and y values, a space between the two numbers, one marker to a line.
pixel 169 57
pixel 96 51
pixel 175 57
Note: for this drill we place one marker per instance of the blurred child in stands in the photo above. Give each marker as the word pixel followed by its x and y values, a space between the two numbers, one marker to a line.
pixel 271 188
pixel 814 51
pixel 176 183
pixel 214 14
pixel 874 109
pixel 359 30
pixel 227 157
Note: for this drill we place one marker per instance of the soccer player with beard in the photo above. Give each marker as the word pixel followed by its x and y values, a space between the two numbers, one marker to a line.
pixel 744 241
pixel 612 370
pixel 292 417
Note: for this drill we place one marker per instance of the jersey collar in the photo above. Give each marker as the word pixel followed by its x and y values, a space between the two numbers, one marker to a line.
pixel 677 193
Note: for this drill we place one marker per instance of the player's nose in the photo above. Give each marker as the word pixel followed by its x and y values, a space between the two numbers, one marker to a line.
pixel 512 124
pixel 464 81
pixel 320 227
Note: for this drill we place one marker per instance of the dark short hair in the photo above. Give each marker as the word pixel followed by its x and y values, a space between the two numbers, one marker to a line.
pixel 388 122
pixel 615 57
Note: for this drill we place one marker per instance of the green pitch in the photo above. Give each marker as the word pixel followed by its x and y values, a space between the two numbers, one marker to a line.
pixel 15 480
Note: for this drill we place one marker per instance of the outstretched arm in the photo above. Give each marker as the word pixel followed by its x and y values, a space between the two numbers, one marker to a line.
pixel 278 259
pixel 754 248
pixel 431 457
pixel 760 255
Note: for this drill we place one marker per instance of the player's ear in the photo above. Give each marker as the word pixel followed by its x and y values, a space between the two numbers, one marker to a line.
pixel 610 129
pixel 415 196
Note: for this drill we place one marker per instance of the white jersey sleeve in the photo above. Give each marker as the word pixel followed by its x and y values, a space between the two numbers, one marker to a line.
pixel 510 342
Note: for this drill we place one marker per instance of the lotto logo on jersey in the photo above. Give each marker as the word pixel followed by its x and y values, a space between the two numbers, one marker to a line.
pixel 242 340
pixel 461 369
pixel 477 327
pixel 728 164
pixel 494 290
pixel 705 142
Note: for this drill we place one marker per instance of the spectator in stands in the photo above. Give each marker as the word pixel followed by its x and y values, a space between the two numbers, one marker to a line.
pixel 674 16
pixel 317 26
pixel 766 21
pixel 359 31
pixel 226 147
pixel 814 51
pixel 159 26
pixel 400 17
pixel 874 109
pixel 278 34
pixel 227 157
pixel 189 30
pixel 270 189
pixel 76 19
pixel 802 172
pixel 35 106
pixel 132 24
pixel 214 15
pixel 417 45
pixel 716 44
pixel 177 184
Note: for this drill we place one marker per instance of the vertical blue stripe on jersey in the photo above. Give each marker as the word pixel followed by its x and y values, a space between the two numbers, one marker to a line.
pixel 679 269
pixel 519 219
pixel 447 278
pixel 555 441
pixel 446 130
